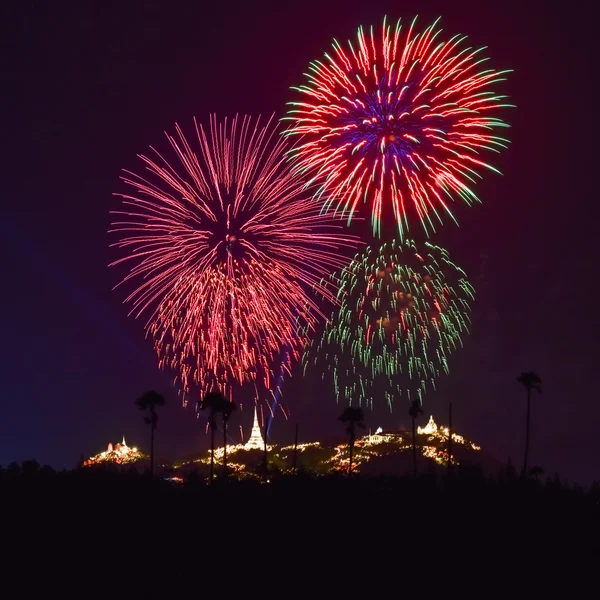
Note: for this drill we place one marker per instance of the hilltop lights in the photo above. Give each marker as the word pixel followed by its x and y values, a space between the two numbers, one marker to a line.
pixel 321 458
pixel 120 454
pixel 441 434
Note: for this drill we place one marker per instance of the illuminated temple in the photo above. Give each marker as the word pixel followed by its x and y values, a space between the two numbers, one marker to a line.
pixel 381 452
pixel 430 428
pixel 256 441
pixel 120 454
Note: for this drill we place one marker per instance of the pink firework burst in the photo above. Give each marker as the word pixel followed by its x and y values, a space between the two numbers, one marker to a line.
pixel 400 121
pixel 225 244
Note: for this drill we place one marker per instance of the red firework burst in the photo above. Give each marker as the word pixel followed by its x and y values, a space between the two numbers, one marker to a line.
pixel 225 243
pixel 398 120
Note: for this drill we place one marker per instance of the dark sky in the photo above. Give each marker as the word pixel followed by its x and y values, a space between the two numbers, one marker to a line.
pixel 87 85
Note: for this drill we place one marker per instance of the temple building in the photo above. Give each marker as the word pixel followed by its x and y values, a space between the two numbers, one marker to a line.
pixel 119 454
pixel 256 441
pixel 379 437
pixel 430 428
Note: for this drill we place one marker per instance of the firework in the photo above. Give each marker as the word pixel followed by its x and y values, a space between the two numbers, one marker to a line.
pixel 400 120
pixel 402 313
pixel 224 243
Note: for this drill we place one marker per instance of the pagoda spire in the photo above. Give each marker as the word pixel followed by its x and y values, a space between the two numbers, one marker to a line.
pixel 430 428
pixel 256 440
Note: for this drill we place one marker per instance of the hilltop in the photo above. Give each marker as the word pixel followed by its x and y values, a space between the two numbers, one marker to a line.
pixel 381 453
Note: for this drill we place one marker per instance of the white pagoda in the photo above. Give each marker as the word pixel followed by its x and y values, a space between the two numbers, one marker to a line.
pixel 256 440
pixel 429 429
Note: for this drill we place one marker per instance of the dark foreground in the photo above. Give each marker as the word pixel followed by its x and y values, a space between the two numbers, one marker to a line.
pixel 99 527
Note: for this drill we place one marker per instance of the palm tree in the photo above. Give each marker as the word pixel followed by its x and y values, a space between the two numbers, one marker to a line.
pixel 354 417
pixel 531 381
pixel 149 401
pixel 450 438
pixel 266 450
pixel 413 412
pixel 226 411
pixel 215 403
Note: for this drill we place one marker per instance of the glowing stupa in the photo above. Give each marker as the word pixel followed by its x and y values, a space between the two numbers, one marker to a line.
pixel 119 454
pixel 256 441
pixel 429 429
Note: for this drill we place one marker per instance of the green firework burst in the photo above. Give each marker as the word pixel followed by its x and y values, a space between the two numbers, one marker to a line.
pixel 402 312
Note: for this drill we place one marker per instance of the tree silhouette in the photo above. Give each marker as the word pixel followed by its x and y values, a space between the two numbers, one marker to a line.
pixel 353 417
pixel 531 381
pixel 413 412
pixel 226 411
pixel 150 401
pixel 215 403
pixel 266 450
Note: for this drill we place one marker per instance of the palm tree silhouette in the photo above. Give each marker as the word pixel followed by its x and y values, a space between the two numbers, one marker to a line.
pixel 149 401
pixel 531 381
pixel 413 412
pixel 226 411
pixel 354 417
pixel 215 403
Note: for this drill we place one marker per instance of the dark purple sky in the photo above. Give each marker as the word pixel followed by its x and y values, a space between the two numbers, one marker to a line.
pixel 87 85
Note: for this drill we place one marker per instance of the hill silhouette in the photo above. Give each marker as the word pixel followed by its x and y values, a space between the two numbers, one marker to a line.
pixel 382 453
pixel 97 525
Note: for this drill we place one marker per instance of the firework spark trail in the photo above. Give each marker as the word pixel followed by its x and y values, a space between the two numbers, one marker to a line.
pixel 398 120
pixel 402 313
pixel 223 244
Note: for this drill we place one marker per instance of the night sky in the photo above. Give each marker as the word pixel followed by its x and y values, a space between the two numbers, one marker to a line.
pixel 88 85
